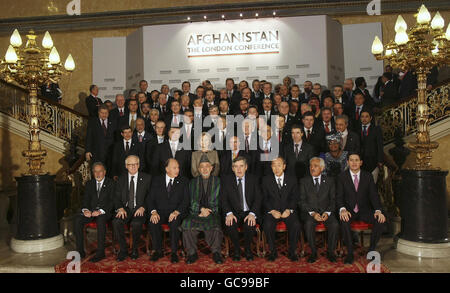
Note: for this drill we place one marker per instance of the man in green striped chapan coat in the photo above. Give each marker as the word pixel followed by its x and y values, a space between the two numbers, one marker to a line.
pixel 204 213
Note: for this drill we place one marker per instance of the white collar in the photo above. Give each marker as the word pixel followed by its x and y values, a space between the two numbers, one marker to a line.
pixel 135 176
pixel 281 177
pixel 142 133
pixel 101 182
pixel 353 174
pixel 168 178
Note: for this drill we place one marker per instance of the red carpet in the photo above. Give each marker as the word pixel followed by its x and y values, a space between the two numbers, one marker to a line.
pixel 205 264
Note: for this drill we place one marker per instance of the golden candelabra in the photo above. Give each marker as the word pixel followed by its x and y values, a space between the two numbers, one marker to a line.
pixel 421 48
pixel 31 67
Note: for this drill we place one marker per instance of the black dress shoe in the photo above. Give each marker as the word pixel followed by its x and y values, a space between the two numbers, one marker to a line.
pixel 82 254
pixel 191 258
pixel 293 256
pixel 332 257
pixel 122 256
pixel 249 255
pixel 237 256
pixel 174 258
pixel 312 258
pixel 217 258
pixel 349 259
pixel 156 255
pixel 134 254
pixel 97 257
pixel 272 256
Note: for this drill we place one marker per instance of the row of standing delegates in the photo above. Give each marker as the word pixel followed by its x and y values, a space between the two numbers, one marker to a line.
pixel 154 149
pixel 207 203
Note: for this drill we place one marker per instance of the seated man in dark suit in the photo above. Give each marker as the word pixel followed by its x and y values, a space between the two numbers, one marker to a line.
pixel 349 139
pixel 357 199
pixel 97 206
pixel 168 203
pixel 280 198
pixel 100 136
pixel 241 201
pixel 122 149
pixel 132 188
pixel 297 154
pixel 317 205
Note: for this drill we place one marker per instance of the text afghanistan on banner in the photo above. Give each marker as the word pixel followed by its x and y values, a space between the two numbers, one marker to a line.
pixel 236 43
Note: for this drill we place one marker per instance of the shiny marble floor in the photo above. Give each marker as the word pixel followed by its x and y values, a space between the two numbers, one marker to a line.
pixel 11 262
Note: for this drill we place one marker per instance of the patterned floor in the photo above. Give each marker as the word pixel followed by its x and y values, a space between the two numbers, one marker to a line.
pixel 205 263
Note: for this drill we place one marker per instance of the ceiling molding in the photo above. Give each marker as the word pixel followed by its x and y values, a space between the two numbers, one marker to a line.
pixel 138 18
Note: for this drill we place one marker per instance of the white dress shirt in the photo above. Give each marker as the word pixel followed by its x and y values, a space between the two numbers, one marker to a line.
pixel 243 193
pixel 160 139
pixel 314 181
pixel 299 145
pixel 173 146
pixel 125 144
pixel 141 133
pixel 132 117
pixel 358 175
pixel 266 145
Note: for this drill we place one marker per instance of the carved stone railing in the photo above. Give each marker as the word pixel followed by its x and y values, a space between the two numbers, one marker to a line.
pixel 55 119
pixel 402 115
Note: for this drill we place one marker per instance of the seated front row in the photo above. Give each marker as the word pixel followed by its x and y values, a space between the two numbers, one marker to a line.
pixel 209 204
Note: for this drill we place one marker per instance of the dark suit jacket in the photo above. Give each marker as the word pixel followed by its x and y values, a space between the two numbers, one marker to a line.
pixel 97 142
pixel 165 203
pixel 226 160
pixel 125 120
pixel 230 197
pixel 119 155
pixel 351 113
pixel 322 201
pixel 92 105
pixel 366 197
pixel 353 143
pixel 280 200
pixel 235 101
pixel 115 114
pixel 121 197
pixel 367 97
pixel 104 201
pixel 168 120
pixel 408 85
pixel 316 139
pixel 371 147
pixel 390 93
pixel 163 152
pixel 298 167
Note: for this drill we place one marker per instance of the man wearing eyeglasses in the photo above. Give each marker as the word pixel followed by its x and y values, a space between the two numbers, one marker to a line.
pixel 129 200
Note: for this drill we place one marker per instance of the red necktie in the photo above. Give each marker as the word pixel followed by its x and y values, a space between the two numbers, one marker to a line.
pixel 104 127
pixel 327 130
pixel 357 113
pixel 121 113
